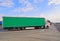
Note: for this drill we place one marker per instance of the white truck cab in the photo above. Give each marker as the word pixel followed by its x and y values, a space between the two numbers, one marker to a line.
pixel 47 25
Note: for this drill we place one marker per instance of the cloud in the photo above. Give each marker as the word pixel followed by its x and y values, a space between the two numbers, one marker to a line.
pixel 23 1
pixel 55 2
pixel 34 1
pixel 1 15
pixel 6 3
pixel 53 16
pixel 27 8
pixel 38 1
pixel 5 15
pixel 17 10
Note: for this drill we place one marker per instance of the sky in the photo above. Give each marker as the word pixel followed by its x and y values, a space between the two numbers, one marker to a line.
pixel 49 9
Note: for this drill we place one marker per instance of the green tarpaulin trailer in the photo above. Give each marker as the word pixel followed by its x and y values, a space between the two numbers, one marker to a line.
pixel 22 22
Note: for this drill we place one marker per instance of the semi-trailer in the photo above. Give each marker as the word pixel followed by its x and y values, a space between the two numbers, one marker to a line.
pixel 23 22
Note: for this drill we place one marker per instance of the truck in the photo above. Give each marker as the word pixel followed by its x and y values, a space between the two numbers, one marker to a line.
pixel 23 22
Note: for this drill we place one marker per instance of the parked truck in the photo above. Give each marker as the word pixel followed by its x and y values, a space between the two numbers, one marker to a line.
pixel 23 22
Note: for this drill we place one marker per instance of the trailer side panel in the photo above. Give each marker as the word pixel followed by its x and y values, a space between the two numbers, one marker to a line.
pixel 22 21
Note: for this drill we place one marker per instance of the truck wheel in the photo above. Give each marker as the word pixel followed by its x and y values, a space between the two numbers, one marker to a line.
pixel 20 28
pixel 43 27
pixel 47 27
pixel 24 28
pixel 40 27
pixel 36 27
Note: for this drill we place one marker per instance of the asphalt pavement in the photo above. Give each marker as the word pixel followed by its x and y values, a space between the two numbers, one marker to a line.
pixel 51 34
pixel 57 25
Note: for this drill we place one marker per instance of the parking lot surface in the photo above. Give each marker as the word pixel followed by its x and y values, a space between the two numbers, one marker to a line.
pixel 51 34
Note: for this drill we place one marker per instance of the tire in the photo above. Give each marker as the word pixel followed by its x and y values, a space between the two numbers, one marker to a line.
pixel 20 28
pixel 36 27
pixel 47 27
pixel 44 27
pixel 24 28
